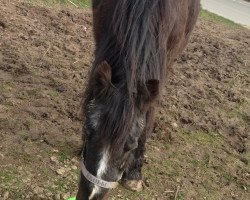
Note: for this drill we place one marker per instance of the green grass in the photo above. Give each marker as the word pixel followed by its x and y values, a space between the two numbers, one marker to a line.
pixel 209 139
pixel 216 18
pixel 24 135
pixel 63 156
pixel 79 3
pixel 8 175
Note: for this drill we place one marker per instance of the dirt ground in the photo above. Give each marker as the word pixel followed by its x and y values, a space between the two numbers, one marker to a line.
pixel 200 145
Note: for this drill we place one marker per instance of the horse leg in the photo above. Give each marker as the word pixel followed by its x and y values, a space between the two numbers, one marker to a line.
pixel 132 178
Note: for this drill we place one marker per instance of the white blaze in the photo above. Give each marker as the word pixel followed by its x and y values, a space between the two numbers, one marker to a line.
pixel 102 168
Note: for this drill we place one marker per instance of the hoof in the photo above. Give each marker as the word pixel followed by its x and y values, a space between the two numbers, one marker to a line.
pixel 133 185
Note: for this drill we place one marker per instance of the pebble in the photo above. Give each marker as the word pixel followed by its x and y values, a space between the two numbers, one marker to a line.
pixel 146 182
pixel 57 197
pixel 1 155
pixel 65 196
pixel 178 180
pixel 54 159
pixel 5 195
pixel 74 161
pixel 38 190
pixel 74 167
pixel 41 196
pixel 61 171
pixel 175 125
pixel 85 29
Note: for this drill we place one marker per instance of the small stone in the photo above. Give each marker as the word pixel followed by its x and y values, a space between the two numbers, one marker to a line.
pixel 175 125
pixel 85 29
pixel 65 196
pixel 49 194
pixel 55 150
pixel 146 182
pixel 54 160
pixel 244 187
pixel 146 161
pixel 133 185
pixel 61 171
pixel 41 196
pixel 178 180
pixel 74 161
pixel 38 190
pixel 1 155
pixel 74 167
pixel 57 197
pixel 5 195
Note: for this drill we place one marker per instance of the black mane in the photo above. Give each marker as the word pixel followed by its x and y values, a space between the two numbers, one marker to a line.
pixel 140 43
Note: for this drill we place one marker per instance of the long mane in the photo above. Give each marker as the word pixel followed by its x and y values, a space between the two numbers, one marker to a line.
pixel 140 39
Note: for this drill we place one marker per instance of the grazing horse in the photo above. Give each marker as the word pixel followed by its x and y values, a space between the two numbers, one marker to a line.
pixel 137 42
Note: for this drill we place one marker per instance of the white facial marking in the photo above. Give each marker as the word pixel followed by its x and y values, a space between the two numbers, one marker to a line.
pixel 103 164
pixel 96 190
pixel 102 168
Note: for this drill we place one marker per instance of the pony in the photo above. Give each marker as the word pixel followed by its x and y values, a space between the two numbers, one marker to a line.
pixel 137 42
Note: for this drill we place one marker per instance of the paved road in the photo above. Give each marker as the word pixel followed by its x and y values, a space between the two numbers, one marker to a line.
pixel 235 10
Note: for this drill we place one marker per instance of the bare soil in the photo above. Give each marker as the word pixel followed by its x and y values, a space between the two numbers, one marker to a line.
pixel 200 145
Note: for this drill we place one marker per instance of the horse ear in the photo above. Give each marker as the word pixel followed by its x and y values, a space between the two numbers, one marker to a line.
pixel 153 88
pixel 103 75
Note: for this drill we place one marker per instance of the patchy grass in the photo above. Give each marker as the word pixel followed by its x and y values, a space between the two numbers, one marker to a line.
pixel 174 166
pixel 8 175
pixel 63 157
pixel 205 14
pixel 78 3
pixel 7 103
pixel 203 138
pixel 24 135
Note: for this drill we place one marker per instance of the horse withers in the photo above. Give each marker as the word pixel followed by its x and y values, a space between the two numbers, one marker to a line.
pixel 137 42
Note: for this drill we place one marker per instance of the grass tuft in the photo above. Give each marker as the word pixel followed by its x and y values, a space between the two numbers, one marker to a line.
pixel 205 14
pixel 80 3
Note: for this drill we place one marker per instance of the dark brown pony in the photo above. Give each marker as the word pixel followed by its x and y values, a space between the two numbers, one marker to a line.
pixel 137 42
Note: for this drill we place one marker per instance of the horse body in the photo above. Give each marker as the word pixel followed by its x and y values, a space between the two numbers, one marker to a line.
pixel 136 44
